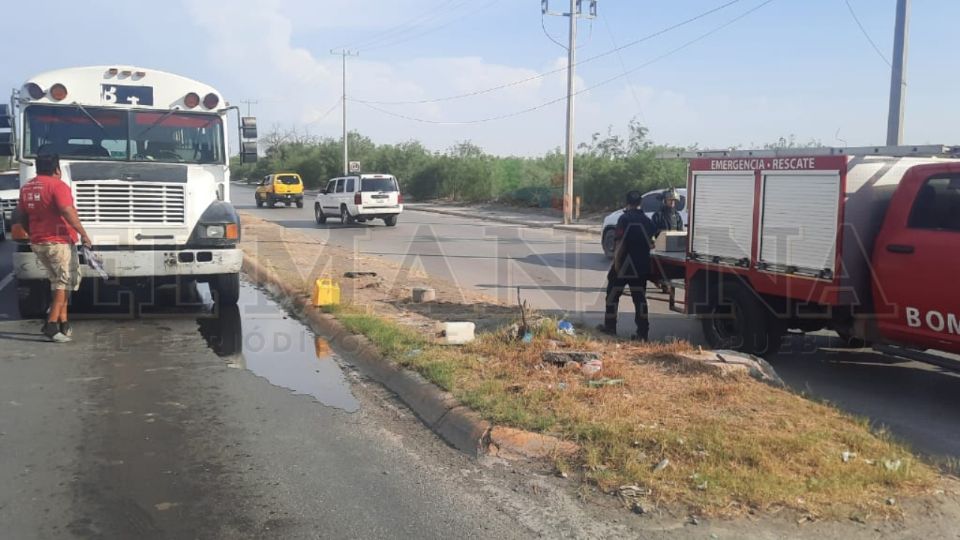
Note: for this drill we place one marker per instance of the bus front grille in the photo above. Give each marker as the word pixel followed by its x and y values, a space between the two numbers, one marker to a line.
pixel 130 203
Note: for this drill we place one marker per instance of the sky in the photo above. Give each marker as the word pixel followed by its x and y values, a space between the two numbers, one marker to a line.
pixel 747 74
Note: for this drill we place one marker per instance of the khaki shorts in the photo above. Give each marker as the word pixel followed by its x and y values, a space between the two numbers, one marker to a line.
pixel 61 263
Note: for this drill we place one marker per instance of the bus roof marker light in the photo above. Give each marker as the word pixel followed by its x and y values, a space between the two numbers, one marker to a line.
pixel 34 90
pixel 211 101
pixel 140 74
pixel 58 92
pixel 113 72
pixel 191 100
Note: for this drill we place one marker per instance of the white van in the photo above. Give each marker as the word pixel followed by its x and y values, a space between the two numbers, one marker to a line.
pixel 360 198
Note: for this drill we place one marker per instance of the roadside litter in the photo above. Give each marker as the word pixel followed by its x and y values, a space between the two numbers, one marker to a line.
pixel 592 367
pixel 353 275
pixel 326 292
pixel 605 382
pixel 459 333
pixel 566 328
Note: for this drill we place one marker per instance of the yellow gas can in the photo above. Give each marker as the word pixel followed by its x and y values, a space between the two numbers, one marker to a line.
pixel 326 292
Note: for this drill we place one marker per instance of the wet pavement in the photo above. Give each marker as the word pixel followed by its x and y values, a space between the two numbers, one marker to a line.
pixel 270 344
pixel 183 420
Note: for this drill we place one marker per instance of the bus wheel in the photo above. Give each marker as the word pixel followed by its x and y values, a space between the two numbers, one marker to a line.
pixel 739 321
pixel 33 299
pixel 227 288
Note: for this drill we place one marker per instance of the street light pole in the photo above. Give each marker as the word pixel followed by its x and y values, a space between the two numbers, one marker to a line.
pixel 898 80
pixel 346 152
pixel 575 13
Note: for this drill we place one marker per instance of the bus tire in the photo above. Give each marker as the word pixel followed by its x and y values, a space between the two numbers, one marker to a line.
pixel 226 287
pixel 740 321
pixel 33 299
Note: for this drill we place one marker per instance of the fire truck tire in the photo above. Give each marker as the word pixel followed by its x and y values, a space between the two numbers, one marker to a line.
pixel 743 323
pixel 227 288
pixel 33 299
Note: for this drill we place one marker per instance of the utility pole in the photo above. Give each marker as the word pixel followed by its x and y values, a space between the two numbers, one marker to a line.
pixel 248 103
pixel 898 75
pixel 576 12
pixel 346 153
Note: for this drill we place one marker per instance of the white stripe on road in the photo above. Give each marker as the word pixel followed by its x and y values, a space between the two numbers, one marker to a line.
pixel 6 281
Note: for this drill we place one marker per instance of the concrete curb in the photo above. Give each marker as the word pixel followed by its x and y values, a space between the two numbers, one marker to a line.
pixel 583 229
pixel 459 426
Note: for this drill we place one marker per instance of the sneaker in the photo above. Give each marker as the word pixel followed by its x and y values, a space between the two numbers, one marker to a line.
pixel 52 331
pixel 66 329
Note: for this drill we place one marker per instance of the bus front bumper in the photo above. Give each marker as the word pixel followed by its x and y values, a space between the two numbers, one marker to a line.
pixel 142 263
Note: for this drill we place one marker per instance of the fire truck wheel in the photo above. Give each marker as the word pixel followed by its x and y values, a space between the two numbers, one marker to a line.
pixel 743 323
pixel 227 288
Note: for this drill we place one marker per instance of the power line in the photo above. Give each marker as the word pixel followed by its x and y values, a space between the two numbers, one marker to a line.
pixel 578 92
pixel 405 26
pixel 433 30
pixel 518 82
pixel 866 34
pixel 623 67
pixel 326 114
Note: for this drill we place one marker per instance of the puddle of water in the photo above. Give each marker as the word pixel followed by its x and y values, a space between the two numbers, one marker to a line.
pixel 257 335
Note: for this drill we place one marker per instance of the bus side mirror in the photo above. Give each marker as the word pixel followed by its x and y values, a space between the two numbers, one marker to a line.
pixel 248 127
pixel 6 132
pixel 248 152
pixel 6 144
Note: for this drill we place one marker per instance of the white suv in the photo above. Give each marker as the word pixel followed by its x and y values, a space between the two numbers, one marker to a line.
pixel 360 198
pixel 650 204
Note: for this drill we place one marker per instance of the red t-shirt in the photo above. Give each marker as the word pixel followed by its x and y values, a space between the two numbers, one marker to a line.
pixel 43 199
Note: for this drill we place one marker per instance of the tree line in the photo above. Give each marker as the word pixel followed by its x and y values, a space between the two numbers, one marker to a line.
pixel 605 168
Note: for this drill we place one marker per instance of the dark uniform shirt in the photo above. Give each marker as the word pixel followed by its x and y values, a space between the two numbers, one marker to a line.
pixel 668 219
pixel 635 229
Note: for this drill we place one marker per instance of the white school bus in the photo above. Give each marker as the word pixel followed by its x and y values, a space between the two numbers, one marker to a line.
pixel 146 156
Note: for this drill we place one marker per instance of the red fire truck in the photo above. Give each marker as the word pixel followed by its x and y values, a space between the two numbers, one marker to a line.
pixel 862 241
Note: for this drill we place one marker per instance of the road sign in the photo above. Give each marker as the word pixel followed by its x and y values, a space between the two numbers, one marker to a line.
pixel 354 166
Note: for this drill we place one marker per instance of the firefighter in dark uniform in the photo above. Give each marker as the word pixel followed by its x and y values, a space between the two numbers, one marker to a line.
pixel 631 267
pixel 668 218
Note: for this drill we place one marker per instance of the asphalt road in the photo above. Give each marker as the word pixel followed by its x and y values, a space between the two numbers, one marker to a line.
pixel 190 421
pixel 564 273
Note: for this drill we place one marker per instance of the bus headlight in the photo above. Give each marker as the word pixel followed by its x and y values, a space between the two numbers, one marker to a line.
pixel 214 231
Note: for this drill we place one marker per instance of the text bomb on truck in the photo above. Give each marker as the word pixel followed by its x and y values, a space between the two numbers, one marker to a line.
pixel 862 241
pixel 146 156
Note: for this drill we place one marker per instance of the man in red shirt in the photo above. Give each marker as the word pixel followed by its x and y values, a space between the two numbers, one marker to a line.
pixel 47 213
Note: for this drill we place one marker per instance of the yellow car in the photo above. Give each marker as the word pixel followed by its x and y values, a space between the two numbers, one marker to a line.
pixel 281 187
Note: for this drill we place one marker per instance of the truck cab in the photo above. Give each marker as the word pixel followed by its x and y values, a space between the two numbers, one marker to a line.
pixel 916 261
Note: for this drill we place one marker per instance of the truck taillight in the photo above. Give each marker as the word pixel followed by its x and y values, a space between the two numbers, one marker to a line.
pixel 357 199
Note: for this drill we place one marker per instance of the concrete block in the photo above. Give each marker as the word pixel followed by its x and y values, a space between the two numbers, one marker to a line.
pixel 424 294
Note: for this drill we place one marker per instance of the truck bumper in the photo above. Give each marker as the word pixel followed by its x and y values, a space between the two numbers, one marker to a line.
pixel 143 263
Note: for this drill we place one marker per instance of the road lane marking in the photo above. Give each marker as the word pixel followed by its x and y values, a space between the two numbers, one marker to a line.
pixel 6 281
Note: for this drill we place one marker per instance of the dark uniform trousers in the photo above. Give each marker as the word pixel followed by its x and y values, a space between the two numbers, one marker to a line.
pixel 615 289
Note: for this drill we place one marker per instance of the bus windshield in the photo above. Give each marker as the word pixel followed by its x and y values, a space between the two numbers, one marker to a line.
pixel 92 133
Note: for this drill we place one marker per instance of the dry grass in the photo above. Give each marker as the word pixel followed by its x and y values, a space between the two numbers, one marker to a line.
pixel 733 444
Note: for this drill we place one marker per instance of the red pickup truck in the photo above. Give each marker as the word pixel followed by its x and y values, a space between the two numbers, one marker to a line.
pixel 862 241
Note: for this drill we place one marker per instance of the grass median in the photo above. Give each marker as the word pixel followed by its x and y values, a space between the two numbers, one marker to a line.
pixel 719 445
